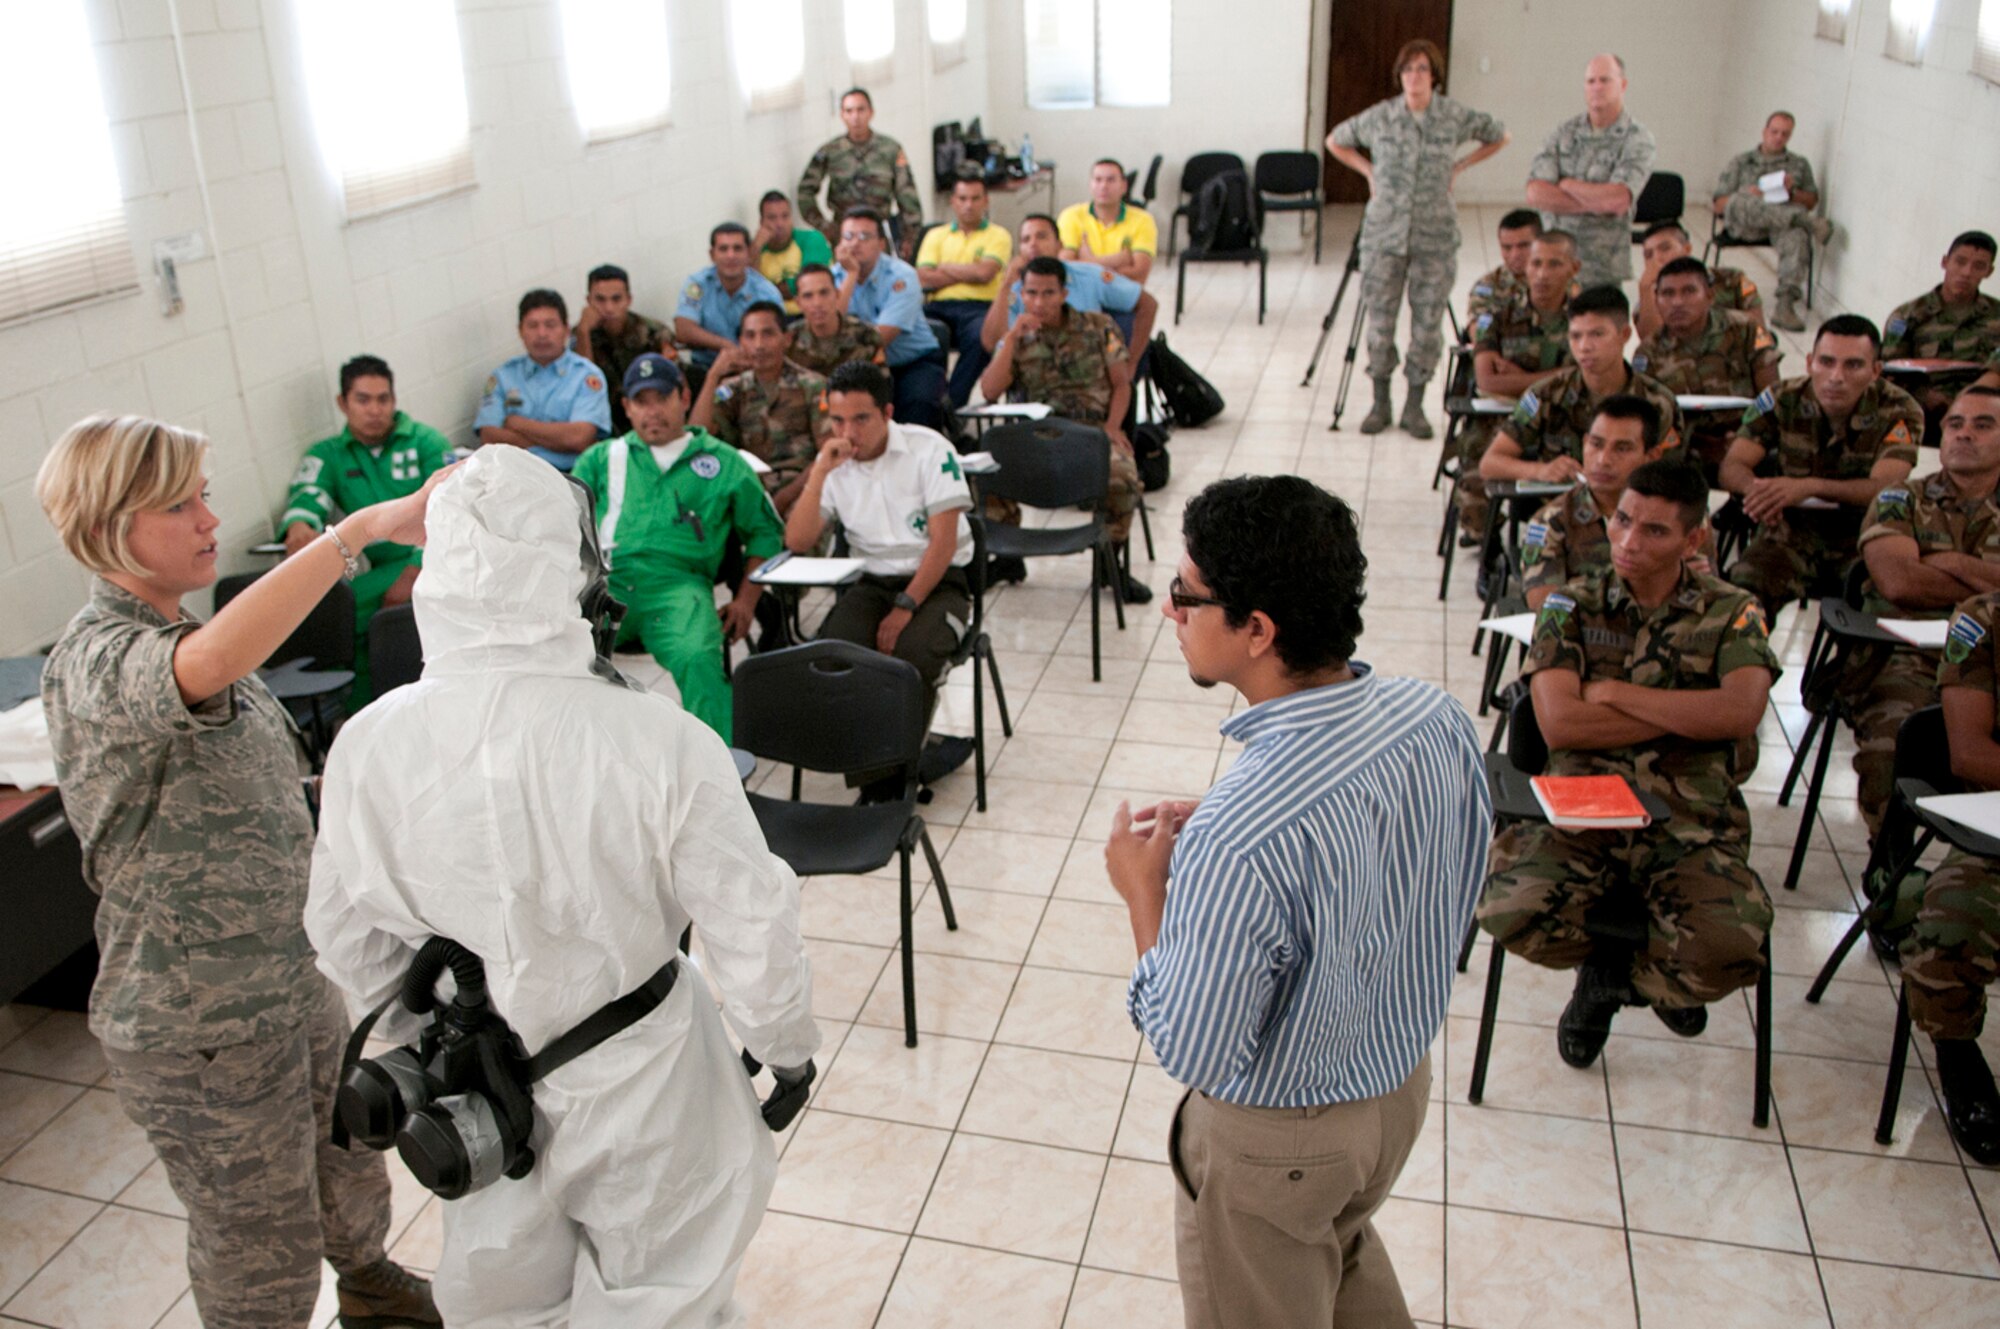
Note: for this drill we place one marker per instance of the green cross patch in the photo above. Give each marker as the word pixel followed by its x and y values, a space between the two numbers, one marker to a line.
pixel 950 468
pixel 920 523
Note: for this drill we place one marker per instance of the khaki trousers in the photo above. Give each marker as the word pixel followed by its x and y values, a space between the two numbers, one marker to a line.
pixel 1271 1217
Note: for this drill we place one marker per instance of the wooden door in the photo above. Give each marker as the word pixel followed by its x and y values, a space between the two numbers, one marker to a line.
pixel 1365 38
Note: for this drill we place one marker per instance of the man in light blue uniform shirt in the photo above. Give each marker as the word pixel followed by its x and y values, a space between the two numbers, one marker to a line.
pixel 713 300
pixel 1092 288
pixel 885 292
pixel 550 401
pixel 1298 927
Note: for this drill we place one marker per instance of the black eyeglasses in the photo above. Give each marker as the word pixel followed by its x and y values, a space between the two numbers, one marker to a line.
pixel 1182 598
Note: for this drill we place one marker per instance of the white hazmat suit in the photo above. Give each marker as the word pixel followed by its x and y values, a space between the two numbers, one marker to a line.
pixel 567 830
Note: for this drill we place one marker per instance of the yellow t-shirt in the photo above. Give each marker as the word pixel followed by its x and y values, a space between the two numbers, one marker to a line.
pixel 1133 232
pixel 949 244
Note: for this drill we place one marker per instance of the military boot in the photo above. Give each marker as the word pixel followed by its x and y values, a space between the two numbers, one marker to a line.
pixel 1787 315
pixel 384 1295
pixel 1413 422
pixel 1585 1025
pixel 1971 1103
pixel 1378 419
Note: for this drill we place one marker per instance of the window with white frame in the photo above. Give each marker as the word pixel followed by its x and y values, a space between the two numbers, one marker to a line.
pixel 386 81
pixel 1098 53
pixel 1833 19
pixel 1986 45
pixel 947 27
pixel 64 239
pixel 871 39
pixel 1909 29
pixel 769 40
pixel 616 51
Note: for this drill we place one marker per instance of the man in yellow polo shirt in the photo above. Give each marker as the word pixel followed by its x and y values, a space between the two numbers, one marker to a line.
pixel 959 266
pixel 780 249
pixel 1108 230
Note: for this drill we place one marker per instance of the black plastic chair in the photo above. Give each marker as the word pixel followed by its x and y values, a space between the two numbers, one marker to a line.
pixel 1200 169
pixel 1508 778
pixel 976 645
pixel 1200 251
pixel 1147 191
pixel 1057 464
pixel 836 707
pixel 1290 182
pixel 1662 198
pixel 395 651
pixel 1459 390
pixel 324 646
pixel 1720 237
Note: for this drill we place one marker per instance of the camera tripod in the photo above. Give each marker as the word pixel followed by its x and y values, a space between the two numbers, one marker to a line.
pixel 1353 335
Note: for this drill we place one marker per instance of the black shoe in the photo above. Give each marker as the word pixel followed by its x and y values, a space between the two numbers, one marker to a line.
pixel 1971 1103
pixel 1687 1021
pixel 1466 541
pixel 886 790
pixel 1586 1021
pixel 1134 592
pixel 1006 569
pixel 943 754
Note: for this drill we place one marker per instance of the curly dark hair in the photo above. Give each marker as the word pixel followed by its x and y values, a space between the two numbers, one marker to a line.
pixel 1283 545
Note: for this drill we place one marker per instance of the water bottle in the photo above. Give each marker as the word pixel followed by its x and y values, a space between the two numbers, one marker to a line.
pixel 1027 155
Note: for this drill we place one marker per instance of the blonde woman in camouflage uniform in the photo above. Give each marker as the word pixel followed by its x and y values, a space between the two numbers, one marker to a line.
pixel 181 774
pixel 1409 234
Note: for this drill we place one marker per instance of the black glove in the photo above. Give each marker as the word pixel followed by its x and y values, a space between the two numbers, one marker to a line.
pixel 789 1098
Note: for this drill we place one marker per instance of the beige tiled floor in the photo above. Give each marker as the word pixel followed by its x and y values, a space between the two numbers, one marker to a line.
pixel 1011 1169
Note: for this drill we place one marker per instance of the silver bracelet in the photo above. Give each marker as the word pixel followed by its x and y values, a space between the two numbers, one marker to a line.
pixel 353 569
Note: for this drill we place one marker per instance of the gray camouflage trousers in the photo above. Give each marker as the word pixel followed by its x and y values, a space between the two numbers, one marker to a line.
pixel 1427 275
pixel 243 1132
pixel 1785 227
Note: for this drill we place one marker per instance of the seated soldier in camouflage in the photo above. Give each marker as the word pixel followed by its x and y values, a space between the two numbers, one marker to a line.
pixel 1952 954
pixel 1809 457
pixel 1928 544
pixel 1543 438
pixel 1075 363
pixel 1951 321
pixel 611 334
pixel 1568 537
pixel 756 400
pixel 1699 349
pixel 1666 241
pixel 1791 226
pixel 828 337
pixel 1495 290
pixel 1660 674
pixel 1513 348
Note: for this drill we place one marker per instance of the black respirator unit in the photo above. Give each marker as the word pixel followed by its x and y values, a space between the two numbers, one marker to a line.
pixel 599 609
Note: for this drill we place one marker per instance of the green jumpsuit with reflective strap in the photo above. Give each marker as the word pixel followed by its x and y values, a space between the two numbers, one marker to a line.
pixel 665 534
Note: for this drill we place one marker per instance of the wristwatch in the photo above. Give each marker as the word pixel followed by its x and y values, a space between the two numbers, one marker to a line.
pixel 905 603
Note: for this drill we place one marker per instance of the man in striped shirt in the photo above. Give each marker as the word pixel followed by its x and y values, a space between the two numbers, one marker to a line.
pixel 1297 928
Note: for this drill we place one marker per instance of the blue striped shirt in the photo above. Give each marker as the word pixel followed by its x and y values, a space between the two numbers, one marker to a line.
pixel 1317 897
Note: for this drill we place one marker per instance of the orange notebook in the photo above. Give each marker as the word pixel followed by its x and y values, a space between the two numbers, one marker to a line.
pixel 1589 802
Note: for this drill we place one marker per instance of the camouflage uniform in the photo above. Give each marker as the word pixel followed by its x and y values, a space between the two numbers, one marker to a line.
pixel 1493 292
pixel 1923 329
pixel 1953 954
pixel 1782 559
pixel 1723 360
pixel 1555 414
pixel 1708 912
pixel 1735 293
pixel 1621 154
pixel 615 354
pixel 852 340
pixel 1786 226
pixel 224 1040
pixel 1068 367
pixel 781 424
pixel 1894 683
pixel 873 174
pixel 1521 335
pixel 1409 232
pixel 1567 538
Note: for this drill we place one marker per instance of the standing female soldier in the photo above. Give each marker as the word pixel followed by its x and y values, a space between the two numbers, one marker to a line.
pixel 180 772
pixel 1409 234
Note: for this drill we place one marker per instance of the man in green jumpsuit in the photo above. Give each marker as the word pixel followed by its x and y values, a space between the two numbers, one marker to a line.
pixel 668 499
pixel 380 455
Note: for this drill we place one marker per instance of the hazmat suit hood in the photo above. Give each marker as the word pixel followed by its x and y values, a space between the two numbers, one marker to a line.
pixel 503 571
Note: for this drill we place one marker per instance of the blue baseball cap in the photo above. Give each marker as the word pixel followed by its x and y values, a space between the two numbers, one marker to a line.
pixel 653 372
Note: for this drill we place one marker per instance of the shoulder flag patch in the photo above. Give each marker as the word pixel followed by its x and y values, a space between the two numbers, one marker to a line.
pixel 1537 534
pixel 1897 326
pixel 1530 403
pixel 1964 634
pixel 1749 617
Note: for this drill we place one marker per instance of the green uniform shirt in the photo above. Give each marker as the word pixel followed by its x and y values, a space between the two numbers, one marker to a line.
pixel 875 174
pixel 340 476
pixel 1568 537
pixel 1722 358
pixel 852 340
pixel 194 831
pixel 1704 629
pixel 781 266
pixel 674 525
pixel 1554 415
pixel 780 423
pixel 1068 367
pixel 1799 439
pixel 1924 329
pixel 1931 513
pixel 1522 335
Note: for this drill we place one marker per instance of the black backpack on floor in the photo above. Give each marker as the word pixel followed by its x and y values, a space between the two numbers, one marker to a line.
pixel 1149 454
pixel 1191 399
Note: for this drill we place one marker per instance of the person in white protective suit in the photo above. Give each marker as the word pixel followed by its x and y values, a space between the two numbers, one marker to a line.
pixel 566 830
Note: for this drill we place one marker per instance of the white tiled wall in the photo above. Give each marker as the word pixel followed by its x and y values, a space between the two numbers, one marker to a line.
pixel 290 289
